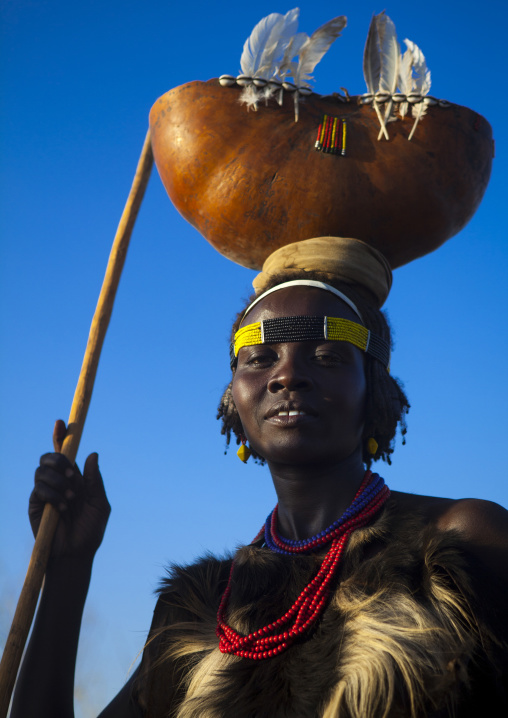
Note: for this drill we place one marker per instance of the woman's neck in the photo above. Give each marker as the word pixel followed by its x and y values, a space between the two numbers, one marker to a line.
pixel 312 498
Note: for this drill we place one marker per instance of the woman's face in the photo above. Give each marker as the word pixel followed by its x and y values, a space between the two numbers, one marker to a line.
pixel 301 402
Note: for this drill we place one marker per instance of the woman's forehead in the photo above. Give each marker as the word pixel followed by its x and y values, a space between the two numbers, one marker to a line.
pixel 299 301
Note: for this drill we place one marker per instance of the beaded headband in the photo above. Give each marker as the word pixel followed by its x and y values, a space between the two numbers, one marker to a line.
pixel 303 328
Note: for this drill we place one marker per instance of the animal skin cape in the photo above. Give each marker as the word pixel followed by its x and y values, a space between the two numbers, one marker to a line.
pixel 405 634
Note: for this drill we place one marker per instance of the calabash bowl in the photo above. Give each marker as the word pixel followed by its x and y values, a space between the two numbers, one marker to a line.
pixel 253 181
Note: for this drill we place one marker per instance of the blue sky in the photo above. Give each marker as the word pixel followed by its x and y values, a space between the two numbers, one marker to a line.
pixel 78 82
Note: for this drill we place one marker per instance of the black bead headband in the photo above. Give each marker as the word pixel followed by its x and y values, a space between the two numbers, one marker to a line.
pixel 305 328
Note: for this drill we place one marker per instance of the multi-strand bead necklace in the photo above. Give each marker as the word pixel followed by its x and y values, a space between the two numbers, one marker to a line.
pixel 308 607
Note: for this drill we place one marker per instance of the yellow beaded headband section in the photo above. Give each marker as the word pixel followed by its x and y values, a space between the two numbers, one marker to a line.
pixel 303 328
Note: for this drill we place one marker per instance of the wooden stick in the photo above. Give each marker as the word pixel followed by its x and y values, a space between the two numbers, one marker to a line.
pixel 30 592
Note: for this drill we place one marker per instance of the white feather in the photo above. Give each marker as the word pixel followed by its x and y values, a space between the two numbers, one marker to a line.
pixel 390 58
pixel 267 92
pixel 261 41
pixel 263 52
pixel 421 74
pixel 315 48
pixel 381 64
pixel 406 71
pixel 287 65
pixel 420 82
pixel 272 58
pixel 381 56
pixel 405 78
pixel 372 59
pixel 389 53
pixel 250 97
pixel 270 51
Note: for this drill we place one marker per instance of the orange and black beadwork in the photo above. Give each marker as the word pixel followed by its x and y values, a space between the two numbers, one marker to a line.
pixel 304 328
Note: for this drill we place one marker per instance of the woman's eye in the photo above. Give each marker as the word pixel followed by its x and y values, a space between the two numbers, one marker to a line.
pixel 328 358
pixel 262 359
pixel 258 359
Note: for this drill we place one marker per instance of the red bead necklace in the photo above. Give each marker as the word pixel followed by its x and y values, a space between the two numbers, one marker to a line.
pixel 308 607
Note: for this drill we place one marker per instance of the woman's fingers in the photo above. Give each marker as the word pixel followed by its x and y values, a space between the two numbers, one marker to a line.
pixel 59 464
pixel 92 476
pixel 47 495
pixel 63 482
pixel 59 433
pixel 56 473
pixel 81 501
pixel 56 482
pixel 92 479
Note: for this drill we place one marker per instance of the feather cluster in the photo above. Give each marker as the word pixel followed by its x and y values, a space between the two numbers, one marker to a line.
pixel 387 70
pixel 276 57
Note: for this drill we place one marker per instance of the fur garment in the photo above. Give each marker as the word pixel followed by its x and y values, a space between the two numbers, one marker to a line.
pixel 406 634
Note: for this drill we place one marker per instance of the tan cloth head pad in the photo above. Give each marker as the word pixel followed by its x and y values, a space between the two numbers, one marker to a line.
pixel 349 260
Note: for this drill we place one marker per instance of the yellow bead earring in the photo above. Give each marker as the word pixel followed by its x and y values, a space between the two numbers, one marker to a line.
pixel 243 452
pixel 372 446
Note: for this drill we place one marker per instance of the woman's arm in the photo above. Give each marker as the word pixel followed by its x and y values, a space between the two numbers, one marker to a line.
pixel 45 685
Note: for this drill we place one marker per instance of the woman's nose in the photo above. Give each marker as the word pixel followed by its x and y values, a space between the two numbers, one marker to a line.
pixel 289 374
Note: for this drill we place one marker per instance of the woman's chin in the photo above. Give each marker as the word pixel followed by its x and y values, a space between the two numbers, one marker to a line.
pixel 298 454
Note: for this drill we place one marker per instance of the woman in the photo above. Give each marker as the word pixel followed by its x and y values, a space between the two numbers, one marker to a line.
pixel 396 610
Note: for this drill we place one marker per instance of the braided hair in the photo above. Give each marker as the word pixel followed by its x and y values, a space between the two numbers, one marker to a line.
pixel 386 403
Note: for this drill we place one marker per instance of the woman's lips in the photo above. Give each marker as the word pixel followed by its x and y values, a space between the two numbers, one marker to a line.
pixel 290 420
pixel 290 416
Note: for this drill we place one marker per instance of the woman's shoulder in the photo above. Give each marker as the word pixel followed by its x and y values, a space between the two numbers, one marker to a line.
pixel 474 519
pixel 480 525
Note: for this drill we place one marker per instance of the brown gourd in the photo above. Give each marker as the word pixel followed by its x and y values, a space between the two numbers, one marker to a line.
pixel 252 181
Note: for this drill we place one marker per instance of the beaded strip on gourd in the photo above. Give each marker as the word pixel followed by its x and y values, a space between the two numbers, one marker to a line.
pixel 331 136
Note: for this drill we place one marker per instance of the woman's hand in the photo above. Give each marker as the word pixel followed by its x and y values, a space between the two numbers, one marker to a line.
pixel 80 499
